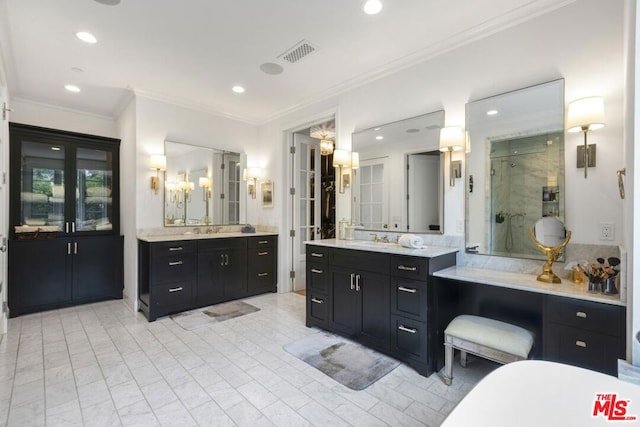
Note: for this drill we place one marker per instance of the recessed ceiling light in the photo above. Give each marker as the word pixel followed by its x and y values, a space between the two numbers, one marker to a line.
pixel 372 7
pixel 492 112
pixel 238 89
pixel 72 88
pixel 77 69
pixel 379 137
pixel 412 130
pixel 271 68
pixel 86 37
pixel 108 2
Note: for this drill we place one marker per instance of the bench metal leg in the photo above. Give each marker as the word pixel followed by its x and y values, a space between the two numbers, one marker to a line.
pixel 448 363
pixel 463 358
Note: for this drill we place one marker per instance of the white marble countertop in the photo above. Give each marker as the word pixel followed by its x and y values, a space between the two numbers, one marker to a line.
pixel 525 282
pixel 391 248
pixel 194 236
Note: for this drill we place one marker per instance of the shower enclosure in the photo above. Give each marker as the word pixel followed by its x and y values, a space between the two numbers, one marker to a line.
pixel 524 187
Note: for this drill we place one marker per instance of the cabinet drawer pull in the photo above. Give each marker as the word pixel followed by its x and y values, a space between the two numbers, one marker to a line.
pixel 69 248
pixel 315 270
pixel 75 248
pixel 581 314
pixel 405 329
pixel 263 274
pixel 317 255
pixel 178 289
pixel 409 290
pixel 405 268
pixel 172 263
pixel 317 301
pixel 263 253
pixel 357 283
pixel 177 248
pixel 263 242
pixel 582 344
pixel 352 276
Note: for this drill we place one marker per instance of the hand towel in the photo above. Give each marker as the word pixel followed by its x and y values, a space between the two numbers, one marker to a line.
pixel 410 241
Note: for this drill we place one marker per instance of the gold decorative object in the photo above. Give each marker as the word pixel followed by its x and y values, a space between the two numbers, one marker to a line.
pixel 552 253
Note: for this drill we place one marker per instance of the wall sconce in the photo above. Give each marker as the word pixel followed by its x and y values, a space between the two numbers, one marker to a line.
pixel 253 174
pixel 341 159
pixel 585 115
pixel 158 163
pixel 205 183
pixel 452 139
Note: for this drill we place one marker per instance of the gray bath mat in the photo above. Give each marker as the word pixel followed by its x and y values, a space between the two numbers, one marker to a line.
pixel 202 317
pixel 347 362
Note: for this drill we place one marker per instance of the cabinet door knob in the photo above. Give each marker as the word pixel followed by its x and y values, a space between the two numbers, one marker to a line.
pixel 317 301
pixel 409 290
pixel 405 268
pixel 178 289
pixel 75 248
pixel 582 344
pixel 69 248
pixel 315 270
pixel 357 283
pixel 353 276
pixel 172 263
pixel 581 314
pixel 405 329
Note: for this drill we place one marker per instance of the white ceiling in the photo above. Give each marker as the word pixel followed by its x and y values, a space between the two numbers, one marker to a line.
pixel 192 52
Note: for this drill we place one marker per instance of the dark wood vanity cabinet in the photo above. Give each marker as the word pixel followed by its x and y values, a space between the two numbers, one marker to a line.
pixel 175 276
pixel 378 299
pixel 64 246
pixel 584 333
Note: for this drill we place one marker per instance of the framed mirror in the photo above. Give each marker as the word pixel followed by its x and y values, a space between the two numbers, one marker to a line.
pixel 398 186
pixel 203 186
pixel 515 168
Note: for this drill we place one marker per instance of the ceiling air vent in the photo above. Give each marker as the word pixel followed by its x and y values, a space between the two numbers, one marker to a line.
pixel 301 50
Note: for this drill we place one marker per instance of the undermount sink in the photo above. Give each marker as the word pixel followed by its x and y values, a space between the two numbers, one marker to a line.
pixel 370 243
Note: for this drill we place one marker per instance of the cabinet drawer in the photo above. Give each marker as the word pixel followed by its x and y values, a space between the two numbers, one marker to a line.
pixel 583 348
pixel 317 277
pixel 409 338
pixel 409 298
pixel 172 268
pixel 317 254
pixel 173 296
pixel 218 243
pixel 375 262
pixel 603 318
pixel 317 308
pixel 260 241
pixel 415 268
pixel 172 248
pixel 261 258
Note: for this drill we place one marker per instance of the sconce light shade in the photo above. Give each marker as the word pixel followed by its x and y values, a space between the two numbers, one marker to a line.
pixel 341 158
pixel 203 182
pixel 452 138
pixel 158 162
pixel 355 160
pixel 585 114
pixel 253 173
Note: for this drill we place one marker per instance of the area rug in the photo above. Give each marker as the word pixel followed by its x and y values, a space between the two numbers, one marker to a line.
pixel 199 318
pixel 347 362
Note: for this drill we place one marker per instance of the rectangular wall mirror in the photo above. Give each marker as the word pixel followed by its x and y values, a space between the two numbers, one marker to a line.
pixel 515 168
pixel 203 186
pixel 398 186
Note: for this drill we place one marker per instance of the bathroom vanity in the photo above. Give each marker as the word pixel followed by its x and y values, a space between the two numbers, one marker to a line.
pixel 571 325
pixel 182 272
pixel 378 294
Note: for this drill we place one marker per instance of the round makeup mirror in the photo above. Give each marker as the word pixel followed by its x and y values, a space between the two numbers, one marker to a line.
pixel 550 236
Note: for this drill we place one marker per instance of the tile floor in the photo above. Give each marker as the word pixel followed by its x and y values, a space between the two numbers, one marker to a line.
pixel 103 365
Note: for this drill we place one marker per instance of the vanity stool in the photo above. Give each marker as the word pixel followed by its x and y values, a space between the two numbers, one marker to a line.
pixel 488 338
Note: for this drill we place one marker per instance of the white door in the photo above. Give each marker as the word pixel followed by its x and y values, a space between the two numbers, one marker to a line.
pixel 307 202
pixel 4 187
pixel 373 189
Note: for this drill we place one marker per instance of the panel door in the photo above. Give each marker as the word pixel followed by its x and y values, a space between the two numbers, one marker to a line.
pixel 345 306
pixel 97 268
pixel 210 289
pixel 38 274
pixel 234 273
pixel 373 290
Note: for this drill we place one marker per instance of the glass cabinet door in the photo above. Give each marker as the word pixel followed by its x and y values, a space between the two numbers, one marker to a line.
pixel 94 187
pixel 42 190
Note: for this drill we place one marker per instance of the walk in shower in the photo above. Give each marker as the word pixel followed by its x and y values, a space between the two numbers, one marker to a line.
pixel 524 187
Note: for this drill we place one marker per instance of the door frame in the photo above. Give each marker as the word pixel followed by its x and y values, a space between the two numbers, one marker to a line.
pixel 4 201
pixel 287 137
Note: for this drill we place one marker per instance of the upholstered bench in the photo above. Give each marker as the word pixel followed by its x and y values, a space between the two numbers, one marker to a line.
pixel 488 338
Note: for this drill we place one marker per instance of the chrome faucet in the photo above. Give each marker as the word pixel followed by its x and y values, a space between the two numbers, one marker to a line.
pixel 384 239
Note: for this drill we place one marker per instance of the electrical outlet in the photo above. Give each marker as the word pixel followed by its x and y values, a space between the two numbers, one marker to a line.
pixel 460 226
pixel 606 231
